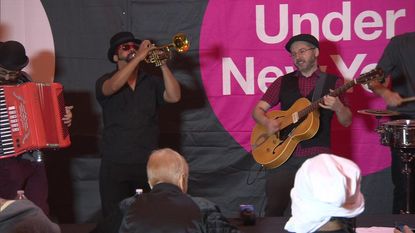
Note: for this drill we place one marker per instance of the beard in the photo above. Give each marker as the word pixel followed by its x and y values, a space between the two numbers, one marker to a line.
pixel 127 58
pixel 306 65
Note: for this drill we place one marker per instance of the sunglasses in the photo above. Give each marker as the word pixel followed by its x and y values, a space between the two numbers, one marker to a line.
pixel 5 72
pixel 127 47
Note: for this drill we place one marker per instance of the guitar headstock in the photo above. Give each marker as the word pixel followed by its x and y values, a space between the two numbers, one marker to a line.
pixel 375 74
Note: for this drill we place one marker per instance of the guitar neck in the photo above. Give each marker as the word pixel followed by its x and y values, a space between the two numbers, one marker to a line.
pixel 315 105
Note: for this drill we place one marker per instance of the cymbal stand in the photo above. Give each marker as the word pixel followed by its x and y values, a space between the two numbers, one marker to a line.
pixel 378 123
pixel 378 128
pixel 407 157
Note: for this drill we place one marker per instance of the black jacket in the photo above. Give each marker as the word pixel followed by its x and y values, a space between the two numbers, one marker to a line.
pixel 167 209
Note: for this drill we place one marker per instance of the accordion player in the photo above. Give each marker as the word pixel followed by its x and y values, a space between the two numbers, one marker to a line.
pixel 31 118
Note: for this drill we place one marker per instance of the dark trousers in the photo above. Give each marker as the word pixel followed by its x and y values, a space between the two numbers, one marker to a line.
pixel 279 182
pixel 119 181
pixel 399 180
pixel 22 174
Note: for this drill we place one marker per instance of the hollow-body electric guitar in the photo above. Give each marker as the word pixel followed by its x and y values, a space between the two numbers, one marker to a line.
pixel 300 122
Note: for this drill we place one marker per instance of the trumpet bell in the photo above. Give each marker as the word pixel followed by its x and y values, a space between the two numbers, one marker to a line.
pixel 181 43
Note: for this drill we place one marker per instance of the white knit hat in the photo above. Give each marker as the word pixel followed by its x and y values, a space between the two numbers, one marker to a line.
pixel 325 186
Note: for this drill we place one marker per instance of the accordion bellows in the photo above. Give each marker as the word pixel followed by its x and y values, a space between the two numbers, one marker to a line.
pixel 31 118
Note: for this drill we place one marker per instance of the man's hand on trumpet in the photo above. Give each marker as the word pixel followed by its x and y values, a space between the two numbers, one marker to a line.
pixel 145 47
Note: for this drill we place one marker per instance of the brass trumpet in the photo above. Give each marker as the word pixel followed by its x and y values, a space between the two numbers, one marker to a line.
pixel 180 43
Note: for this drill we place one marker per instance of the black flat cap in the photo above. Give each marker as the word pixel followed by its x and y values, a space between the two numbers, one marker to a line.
pixel 302 37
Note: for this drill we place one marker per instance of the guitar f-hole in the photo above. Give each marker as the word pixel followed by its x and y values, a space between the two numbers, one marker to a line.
pixel 289 135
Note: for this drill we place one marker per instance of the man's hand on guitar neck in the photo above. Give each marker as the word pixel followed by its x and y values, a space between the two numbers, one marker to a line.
pixel 332 103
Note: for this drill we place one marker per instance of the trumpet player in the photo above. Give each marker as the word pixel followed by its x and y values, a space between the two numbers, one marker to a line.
pixel 130 100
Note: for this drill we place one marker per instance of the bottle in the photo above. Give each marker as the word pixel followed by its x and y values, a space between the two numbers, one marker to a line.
pixel 129 201
pixel 138 192
pixel 20 195
pixel 247 214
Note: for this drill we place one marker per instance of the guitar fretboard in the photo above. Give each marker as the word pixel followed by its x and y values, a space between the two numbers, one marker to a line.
pixel 364 78
pixel 313 106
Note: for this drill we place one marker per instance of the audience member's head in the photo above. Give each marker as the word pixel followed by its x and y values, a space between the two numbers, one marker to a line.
pixel 23 216
pixel 167 166
pixel 405 229
pixel 325 186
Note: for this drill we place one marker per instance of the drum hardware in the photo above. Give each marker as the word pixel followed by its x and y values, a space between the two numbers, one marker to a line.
pixel 378 114
pixel 407 157
pixel 400 134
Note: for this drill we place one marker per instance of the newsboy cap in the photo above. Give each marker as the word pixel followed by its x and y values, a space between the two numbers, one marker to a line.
pixel 302 37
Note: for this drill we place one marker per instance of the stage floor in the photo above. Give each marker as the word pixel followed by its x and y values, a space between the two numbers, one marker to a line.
pixel 276 224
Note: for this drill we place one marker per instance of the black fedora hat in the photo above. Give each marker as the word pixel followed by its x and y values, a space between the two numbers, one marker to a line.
pixel 118 39
pixel 13 55
pixel 302 37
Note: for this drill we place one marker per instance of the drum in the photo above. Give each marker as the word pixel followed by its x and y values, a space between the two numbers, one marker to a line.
pixel 398 133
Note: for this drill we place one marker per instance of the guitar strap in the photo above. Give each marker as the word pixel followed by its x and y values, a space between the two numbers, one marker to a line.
pixel 319 86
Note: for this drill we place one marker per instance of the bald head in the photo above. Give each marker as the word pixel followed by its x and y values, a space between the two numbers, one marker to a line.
pixel 167 166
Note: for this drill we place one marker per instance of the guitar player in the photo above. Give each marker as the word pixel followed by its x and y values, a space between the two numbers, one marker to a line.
pixel 309 82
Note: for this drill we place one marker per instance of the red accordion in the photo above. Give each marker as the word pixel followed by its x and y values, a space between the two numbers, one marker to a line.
pixel 31 118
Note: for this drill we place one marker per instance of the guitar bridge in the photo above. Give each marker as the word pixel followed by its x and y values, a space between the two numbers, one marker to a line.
pixel 295 117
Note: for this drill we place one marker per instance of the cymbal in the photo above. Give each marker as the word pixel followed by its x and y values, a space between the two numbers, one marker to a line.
pixel 378 112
